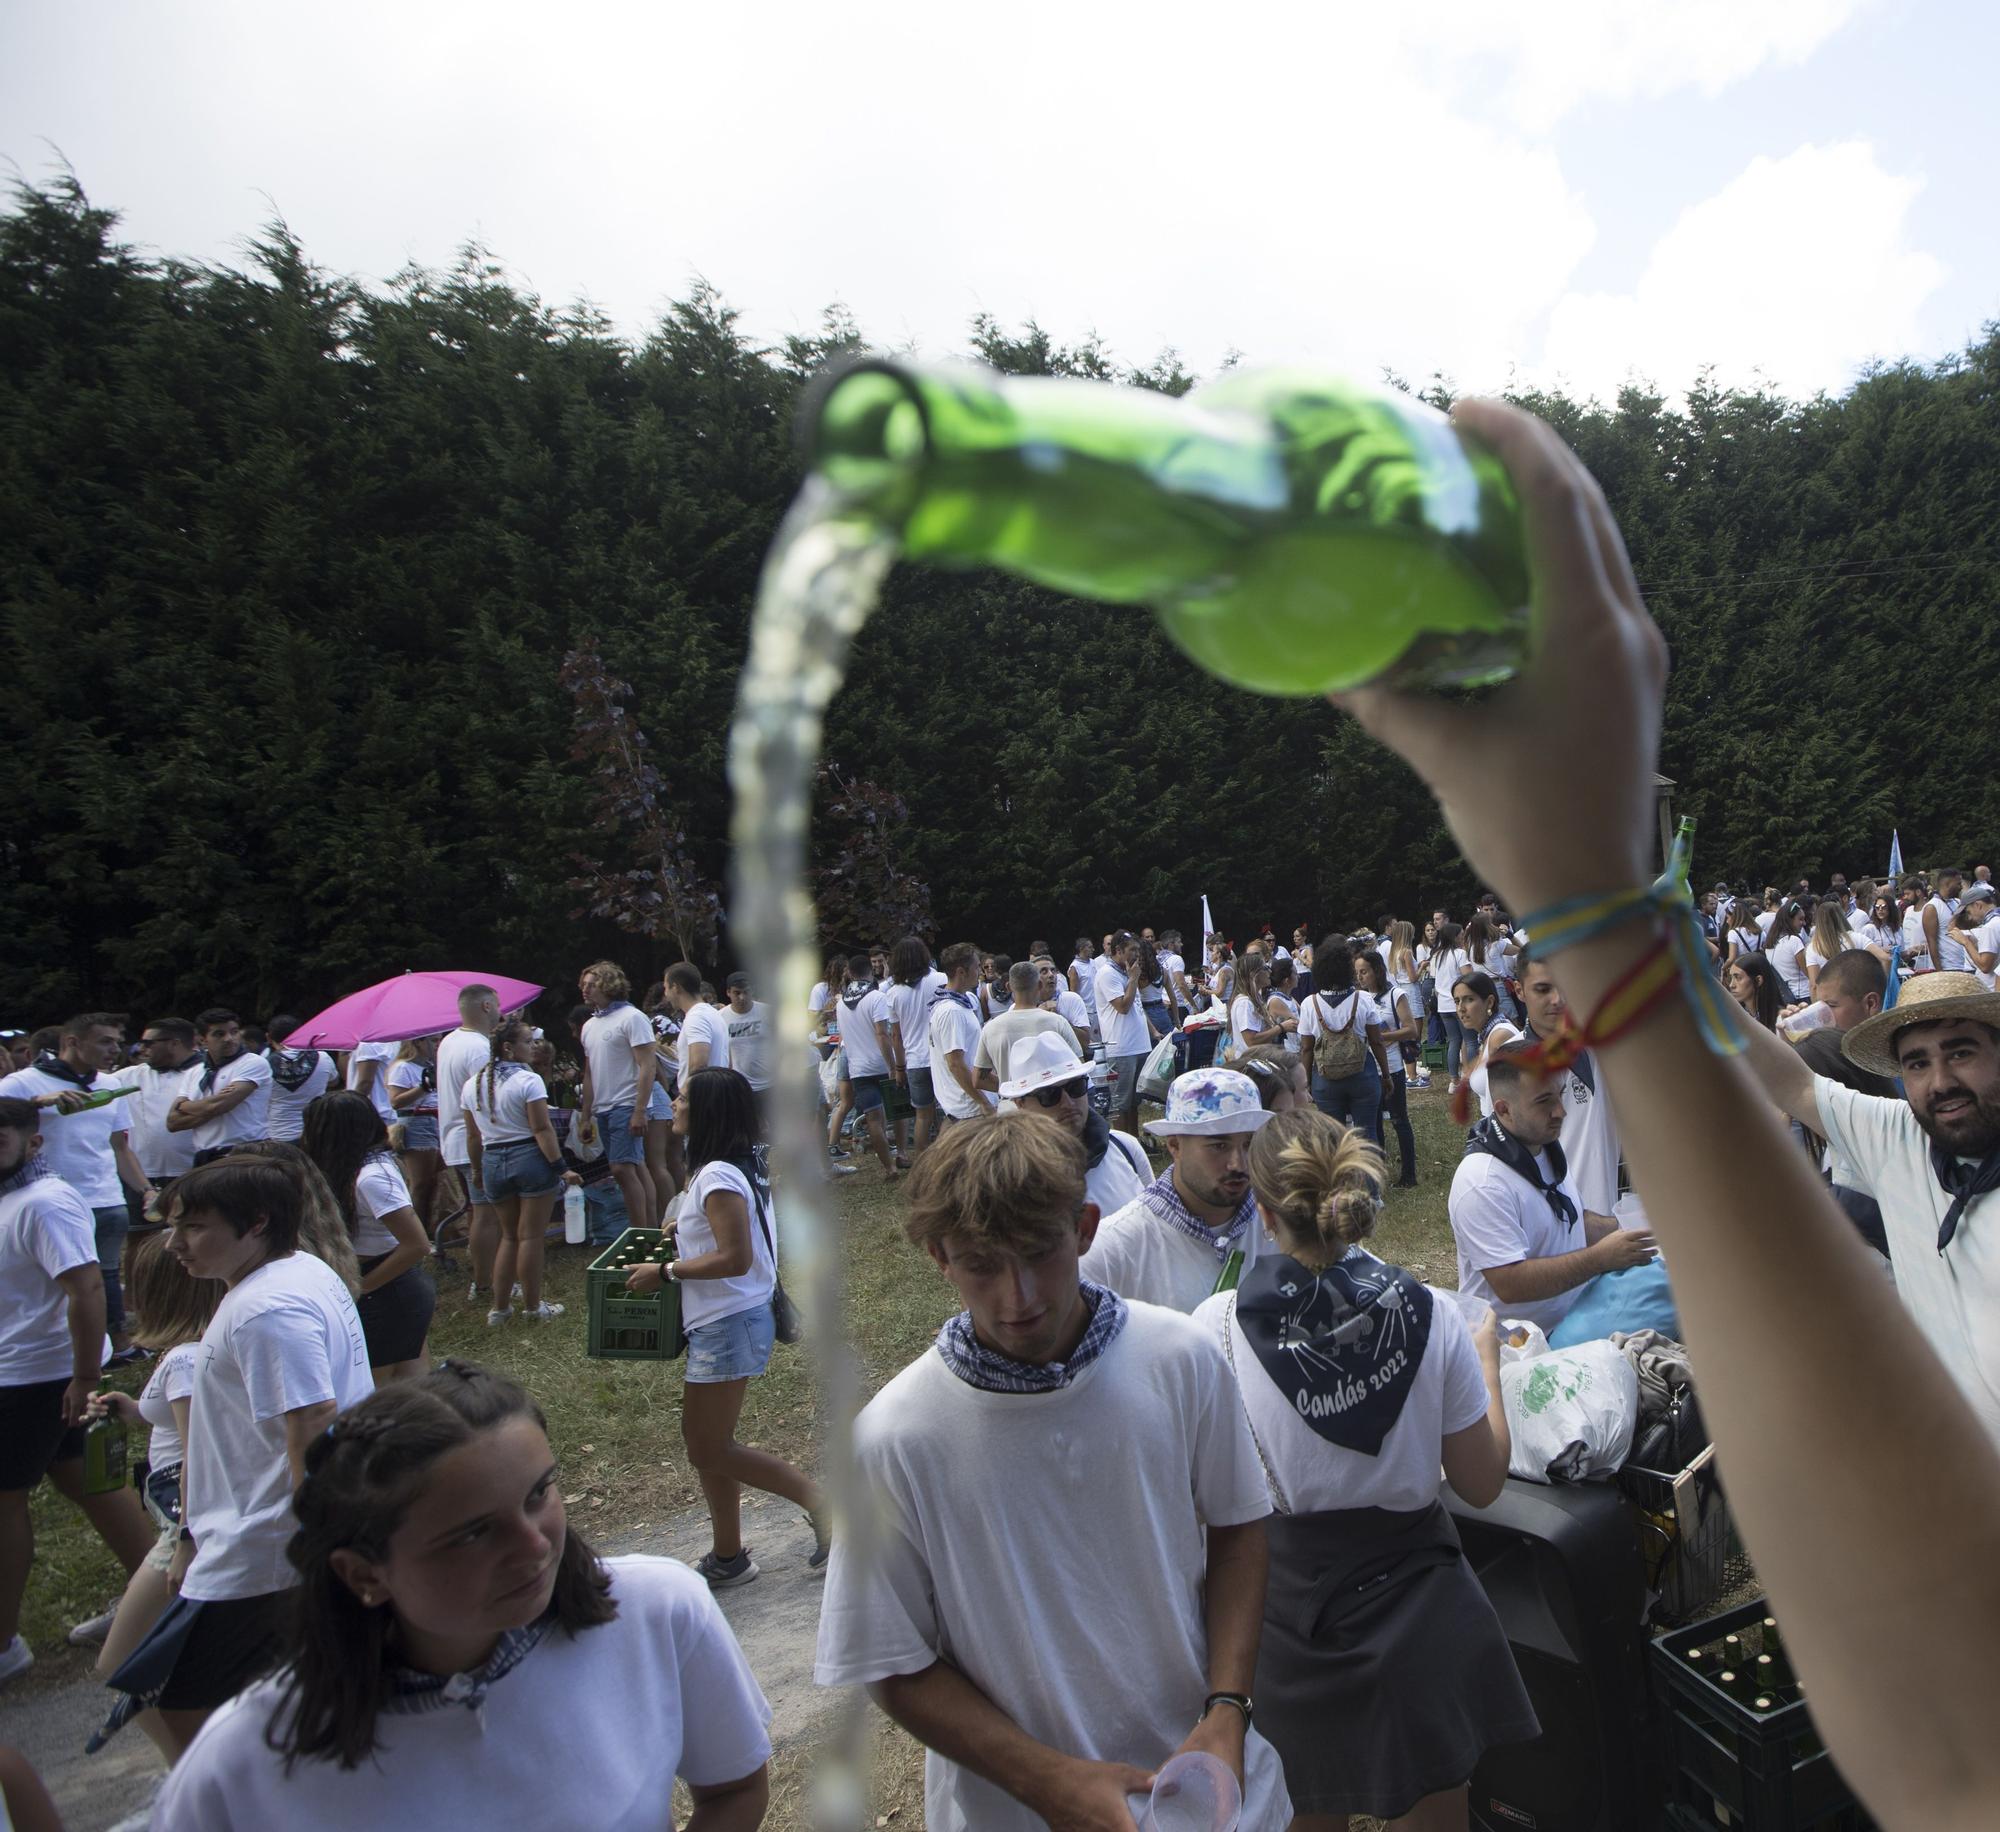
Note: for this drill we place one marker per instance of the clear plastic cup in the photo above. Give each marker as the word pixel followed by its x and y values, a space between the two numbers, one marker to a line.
pixel 1192 1793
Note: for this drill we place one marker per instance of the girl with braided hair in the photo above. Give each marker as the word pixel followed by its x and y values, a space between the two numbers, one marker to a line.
pixel 518 1161
pixel 458 1649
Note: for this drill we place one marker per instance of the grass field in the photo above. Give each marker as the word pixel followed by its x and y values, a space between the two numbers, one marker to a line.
pixel 616 1425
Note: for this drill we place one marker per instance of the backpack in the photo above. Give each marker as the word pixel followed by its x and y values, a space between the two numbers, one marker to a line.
pixel 1337 1054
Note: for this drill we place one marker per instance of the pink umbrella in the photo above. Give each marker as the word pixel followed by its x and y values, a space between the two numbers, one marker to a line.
pixel 410 1005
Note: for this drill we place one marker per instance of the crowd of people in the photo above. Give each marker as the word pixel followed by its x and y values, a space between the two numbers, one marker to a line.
pixel 1168 1482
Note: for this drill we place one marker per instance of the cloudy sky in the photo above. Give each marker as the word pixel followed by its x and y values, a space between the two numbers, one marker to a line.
pixel 1575 190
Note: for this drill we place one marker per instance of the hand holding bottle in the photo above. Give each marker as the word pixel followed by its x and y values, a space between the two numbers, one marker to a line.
pixel 106 1402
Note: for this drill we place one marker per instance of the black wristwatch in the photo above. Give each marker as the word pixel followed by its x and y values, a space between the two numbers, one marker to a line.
pixel 1241 1700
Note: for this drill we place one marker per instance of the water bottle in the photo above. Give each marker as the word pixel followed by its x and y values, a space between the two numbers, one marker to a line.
pixel 1295 533
pixel 573 1215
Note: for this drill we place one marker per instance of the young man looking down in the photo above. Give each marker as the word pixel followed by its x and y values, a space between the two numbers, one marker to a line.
pixel 1065 1580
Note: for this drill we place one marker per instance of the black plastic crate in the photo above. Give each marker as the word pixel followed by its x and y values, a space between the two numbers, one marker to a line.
pixel 1732 1765
pixel 1685 1533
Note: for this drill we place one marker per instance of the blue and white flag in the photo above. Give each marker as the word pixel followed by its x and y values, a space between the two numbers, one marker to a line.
pixel 1895 854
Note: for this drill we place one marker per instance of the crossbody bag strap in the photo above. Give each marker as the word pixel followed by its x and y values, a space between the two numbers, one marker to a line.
pixel 1277 1488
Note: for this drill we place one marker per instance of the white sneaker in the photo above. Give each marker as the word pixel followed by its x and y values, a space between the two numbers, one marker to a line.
pixel 494 1318
pixel 91 1634
pixel 473 1293
pixel 516 1292
pixel 15 1659
pixel 542 1312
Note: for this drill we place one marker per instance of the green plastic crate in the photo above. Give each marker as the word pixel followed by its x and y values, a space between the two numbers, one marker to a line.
pixel 625 1326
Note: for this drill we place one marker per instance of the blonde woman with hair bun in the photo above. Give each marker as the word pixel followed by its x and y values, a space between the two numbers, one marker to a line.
pixel 1383 1674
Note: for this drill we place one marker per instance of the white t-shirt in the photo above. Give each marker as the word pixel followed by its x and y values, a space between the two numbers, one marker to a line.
pixel 1986 938
pixel 461 1054
pixel 708 1300
pixel 1450 966
pixel 1119 1176
pixel 513 1088
pixel 285 1118
pixel 248 1118
pixel 857 1034
pixel 381 1055
pixel 1139 1256
pixel 45 1231
pixel 609 1039
pixel 1953 1296
pixel 379 1190
pixel 160 1153
pixel 705 1024
pixel 1244 1017
pixel 1500 1219
pixel 1816 955
pixel 77 1146
pixel 1123 1468
pixel 1171 965
pixel 750 1042
pixel 1085 972
pixel 1787 954
pixel 410 1074
pixel 1765 918
pixel 1448 1394
pixel 1071 1010
pixel 1590 1141
pixel 912 1006
pixel 1334 1011
pixel 1498 1037
pixel 286 1336
pixel 1000 1037
pixel 1952 957
pixel 1124 1032
pixel 955 1027
pixel 1916 947
pixel 172 1379
pixel 666 1661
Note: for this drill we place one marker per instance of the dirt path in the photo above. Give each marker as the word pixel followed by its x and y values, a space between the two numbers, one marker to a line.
pixel 776 1620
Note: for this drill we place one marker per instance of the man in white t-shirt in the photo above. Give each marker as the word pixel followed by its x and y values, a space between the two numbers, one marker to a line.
pixel 1121 1023
pixel 166 1047
pixel 1947 952
pixel 1194 1227
pixel 704 1030
pixel 751 1042
pixel 1980 937
pixel 298 1078
pixel 226 1098
pixel 1526 1243
pixel 1049 1686
pixel 1053 994
pixel 89 1147
pixel 1589 1129
pixel 1931 1159
pixel 1024 1017
pixel 283 1355
pixel 1173 970
pixel 368 1073
pixel 1083 978
pixel 955 1028
pixel 620 1061
pixel 873 1045
pixel 461 1054
pixel 51 1341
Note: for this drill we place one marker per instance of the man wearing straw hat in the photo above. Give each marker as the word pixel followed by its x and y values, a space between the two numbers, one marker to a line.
pixel 1193 1230
pixel 1049 1077
pixel 1931 1159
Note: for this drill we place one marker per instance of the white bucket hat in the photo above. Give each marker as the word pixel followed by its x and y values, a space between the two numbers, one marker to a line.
pixel 1041 1061
pixel 1210 1101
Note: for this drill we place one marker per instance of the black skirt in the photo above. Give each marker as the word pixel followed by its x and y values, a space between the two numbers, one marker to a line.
pixel 396 1319
pixel 1383 1674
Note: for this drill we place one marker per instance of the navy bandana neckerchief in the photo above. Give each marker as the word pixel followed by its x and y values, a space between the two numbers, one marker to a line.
pixel 959 1347
pixel 292 1069
pixel 1343 1344
pixel 1493 1138
pixel 30 1170
pixel 1164 1201
pixel 1964 1183
pixel 53 1066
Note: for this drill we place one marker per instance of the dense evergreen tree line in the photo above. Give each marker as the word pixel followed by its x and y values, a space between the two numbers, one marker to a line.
pixel 289 569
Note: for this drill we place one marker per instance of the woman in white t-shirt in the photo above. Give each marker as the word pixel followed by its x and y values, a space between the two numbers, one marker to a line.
pixel 1448 965
pixel 172 1310
pixel 1281 1007
pixel 1831 937
pixel 1477 1000
pixel 463 1656
pixel 1383 1674
pixel 727 1272
pixel 518 1161
pixel 1398 1012
pixel 345 1137
pixel 1248 1024
pixel 413 1094
pixel 1883 930
pixel 1786 949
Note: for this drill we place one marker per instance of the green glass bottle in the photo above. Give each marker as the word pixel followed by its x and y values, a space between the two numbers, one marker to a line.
pixel 104 1445
pixel 1232 1272
pixel 1296 534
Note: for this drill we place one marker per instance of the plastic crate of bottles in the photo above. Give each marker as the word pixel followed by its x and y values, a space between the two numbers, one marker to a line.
pixel 627 1325
pixel 1743 1750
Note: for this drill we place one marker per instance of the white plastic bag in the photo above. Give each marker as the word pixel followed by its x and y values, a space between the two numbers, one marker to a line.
pixel 1532 1341
pixel 1572 1412
pixel 1156 1073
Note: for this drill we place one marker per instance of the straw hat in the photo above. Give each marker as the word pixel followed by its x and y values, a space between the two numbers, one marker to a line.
pixel 1209 1101
pixel 1043 1060
pixel 1927 998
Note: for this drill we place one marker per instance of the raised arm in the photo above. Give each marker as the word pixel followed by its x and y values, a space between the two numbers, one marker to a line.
pixel 1848 1447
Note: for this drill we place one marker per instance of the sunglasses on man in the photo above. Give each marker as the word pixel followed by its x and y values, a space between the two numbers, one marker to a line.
pixel 1049 1097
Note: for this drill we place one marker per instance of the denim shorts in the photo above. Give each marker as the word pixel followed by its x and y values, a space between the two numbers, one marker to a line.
pixel 621 1144
pixel 420 1132
pixel 517 1168
pixel 660 1103
pixel 867 1092
pixel 922 1094
pixel 731 1348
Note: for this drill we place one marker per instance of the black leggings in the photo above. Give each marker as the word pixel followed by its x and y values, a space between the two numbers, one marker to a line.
pixel 1395 1110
